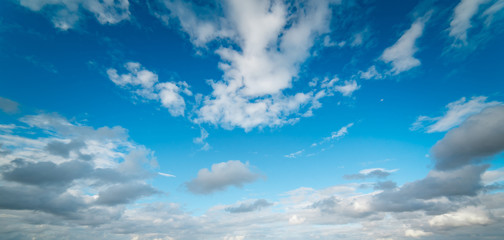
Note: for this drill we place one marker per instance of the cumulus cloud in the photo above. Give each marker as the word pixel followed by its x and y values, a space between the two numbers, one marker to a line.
pixel 66 14
pixel 144 83
pixel 400 55
pixel 455 114
pixel 371 173
pixel 8 106
pixel 370 73
pixel 251 91
pixel 467 216
pixel 71 171
pixel 480 136
pixel 249 206
pixel 221 176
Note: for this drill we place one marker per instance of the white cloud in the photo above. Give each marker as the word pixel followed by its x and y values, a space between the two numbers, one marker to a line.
pixel 270 40
pixel 456 113
pixel 221 176
pixel 416 233
pixel 201 139
pixel 371 73
pixel 66 14
pixel 464 217
pixel 461 20
pixel 144 83
pixel 166 174
pixel 294 155
pixel 400 55
pixel 348 88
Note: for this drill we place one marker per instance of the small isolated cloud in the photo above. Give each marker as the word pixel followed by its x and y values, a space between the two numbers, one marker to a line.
pixel 371 173
pixel 416 233
pixel 66 14
pixel 479 137
pixel 335 135
pixel 221 176
pixel 201 139
pixel 145 84
pixel 249 206
pixel 347 88
pixel 166 174
pixel 400 55
pixel 8 106
pixel 456 113
pixel 371 73
pixel 295 154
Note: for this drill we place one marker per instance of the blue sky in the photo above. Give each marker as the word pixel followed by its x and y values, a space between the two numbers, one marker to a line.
pixel 236 120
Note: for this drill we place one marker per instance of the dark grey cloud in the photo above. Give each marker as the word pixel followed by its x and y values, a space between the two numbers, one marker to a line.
pixel 8 106
pixel 63 149
pixel 413 196
pixel 479 137
pixel 221 176
pixel 43 173
pixel 124 193
pixel 249 207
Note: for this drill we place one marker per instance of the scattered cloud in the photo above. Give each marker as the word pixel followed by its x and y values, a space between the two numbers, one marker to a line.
pixel 201 139
pixel 66 14
pixel 456 113
pixel 371 73
pixel 221 176
pixel 416 233
pixel 335 135
pixel 295 154
pixel 467 216
pixel 400 55
pixel 145 84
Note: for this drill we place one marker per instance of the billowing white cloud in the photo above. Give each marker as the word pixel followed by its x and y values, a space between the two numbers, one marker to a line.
pixel 269 42
pixel 221 176
pixel 456 113
pixel 145 84
pixel 400 55
pixel 66 14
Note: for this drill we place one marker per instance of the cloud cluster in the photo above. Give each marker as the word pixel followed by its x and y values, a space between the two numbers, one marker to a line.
pixel 262 45
pixel 145 84
pixel 72 171
pixel 66 14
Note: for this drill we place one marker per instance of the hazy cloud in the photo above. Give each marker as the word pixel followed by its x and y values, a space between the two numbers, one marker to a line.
pixel 249 206
pixel 8 106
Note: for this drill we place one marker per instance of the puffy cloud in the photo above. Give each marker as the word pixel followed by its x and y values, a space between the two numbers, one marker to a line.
pixel 479 137
pixel 371 173
pixel 400 55
pixel 8 106
pixel 456 113
pixel 251 92
pixel 249 206
pixel 52 175
pixel 220 176
pixel 348 88
pixel 144 83
pixel 461 20
pixel 463 217
pixel 371 73
pixel 66 14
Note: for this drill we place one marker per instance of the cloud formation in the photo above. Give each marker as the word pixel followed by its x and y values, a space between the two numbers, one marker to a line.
pixel 145 84
pixel 221 176
pixel 249 206
pixel 480 136
pixel 8 106
pixel 400 55
pixel 66 14
pixel 456 113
